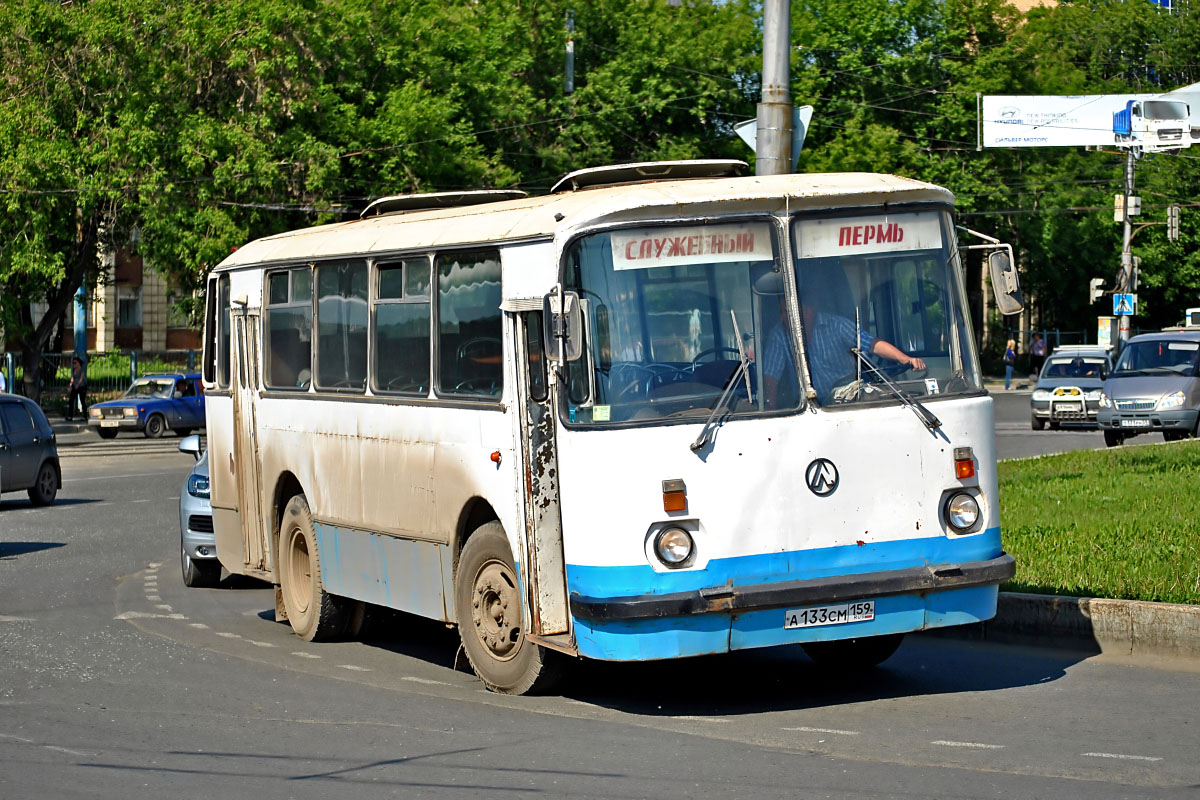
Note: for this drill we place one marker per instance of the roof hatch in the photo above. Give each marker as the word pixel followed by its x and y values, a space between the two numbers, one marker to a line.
pixel 428 200
pixel 650 171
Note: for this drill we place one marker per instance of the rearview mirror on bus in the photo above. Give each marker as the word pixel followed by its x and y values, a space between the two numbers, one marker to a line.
pixel 564 327
pixel 1004 281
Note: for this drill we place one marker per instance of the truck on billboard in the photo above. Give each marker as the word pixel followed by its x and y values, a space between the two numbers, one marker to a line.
pixel 1154 125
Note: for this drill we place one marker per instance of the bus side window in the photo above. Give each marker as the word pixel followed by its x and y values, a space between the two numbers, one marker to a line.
pixel 224 321
pixel 470 354
pixel 342 325
pixel 288 329
pixel 400 336
pixel 536 358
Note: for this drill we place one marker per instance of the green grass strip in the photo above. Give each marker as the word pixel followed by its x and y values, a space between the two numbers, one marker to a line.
pixel 1121 523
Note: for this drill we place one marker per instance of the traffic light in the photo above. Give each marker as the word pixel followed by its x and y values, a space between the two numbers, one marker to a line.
pixel 1096 289
pixel 1173 223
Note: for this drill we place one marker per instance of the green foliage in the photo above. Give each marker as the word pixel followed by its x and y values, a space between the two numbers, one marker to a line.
pixel 1112 523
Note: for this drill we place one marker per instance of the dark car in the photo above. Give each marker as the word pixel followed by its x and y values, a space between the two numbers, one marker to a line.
pixel 28 451
pixel 1068 388
pixel 152 404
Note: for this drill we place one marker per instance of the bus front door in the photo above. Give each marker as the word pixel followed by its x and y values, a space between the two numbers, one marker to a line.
pixel 246 443
pixel 544 572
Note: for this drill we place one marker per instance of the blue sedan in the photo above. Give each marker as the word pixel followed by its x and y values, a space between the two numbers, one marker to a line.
pixel 151 405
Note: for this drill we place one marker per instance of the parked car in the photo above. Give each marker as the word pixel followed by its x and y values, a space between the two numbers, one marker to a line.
pixel 152 404
pixel 197 543
pixel 28 451
pixel 1155 387
pixel 1068 388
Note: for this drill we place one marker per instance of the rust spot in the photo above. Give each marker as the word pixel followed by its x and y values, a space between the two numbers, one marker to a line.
pixel 860 542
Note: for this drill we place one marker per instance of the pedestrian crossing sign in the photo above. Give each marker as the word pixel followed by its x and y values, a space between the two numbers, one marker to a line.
pixel 1124 305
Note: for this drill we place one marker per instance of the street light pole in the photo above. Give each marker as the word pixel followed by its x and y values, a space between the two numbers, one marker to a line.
pixel 773 142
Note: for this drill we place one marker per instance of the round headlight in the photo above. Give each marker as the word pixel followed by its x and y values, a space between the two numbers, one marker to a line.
pixel 962 511
pixel 673 546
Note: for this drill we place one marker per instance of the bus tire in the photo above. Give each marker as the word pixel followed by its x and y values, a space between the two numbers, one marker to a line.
pixel 314 614
pixel 487 602
pixel 851 654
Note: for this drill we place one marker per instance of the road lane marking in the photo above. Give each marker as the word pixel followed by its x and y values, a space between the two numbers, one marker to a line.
pixel 977 745
pixel 15 619
pixel 16 738
pixel 429 681
pixel 305 655
pixel 354 668
pixel 687 718
pixel 260 644
pixel 166 608
pixel 228 635
pixel 1123 756
pixel 823 730
pixel 153 598
pixel 197 625
pixel 63 750
pixel 147 615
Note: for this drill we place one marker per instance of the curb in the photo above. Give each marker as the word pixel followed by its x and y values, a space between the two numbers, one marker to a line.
pixel 1122 627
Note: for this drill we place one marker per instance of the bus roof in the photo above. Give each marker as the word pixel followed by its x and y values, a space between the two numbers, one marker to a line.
pixel 543 217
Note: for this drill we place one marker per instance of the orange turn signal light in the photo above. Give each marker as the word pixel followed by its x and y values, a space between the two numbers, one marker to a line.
pixel 964 463
pixel 674 495
pixel 495 456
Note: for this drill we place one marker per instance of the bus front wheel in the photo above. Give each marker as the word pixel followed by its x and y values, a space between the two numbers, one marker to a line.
pixel 487 604
pixel 314 614
pixel 849 654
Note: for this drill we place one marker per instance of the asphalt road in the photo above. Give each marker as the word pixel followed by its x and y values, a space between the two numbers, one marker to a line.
pixel 117 681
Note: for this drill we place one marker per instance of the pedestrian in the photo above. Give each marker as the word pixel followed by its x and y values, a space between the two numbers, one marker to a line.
pixel 1010 360
pixel 77 390
pixel 1037 354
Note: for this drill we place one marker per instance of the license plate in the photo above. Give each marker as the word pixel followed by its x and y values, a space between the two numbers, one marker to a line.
pixel 861 611
pixel 1068 407
pixel 109 423
pixel 1135 423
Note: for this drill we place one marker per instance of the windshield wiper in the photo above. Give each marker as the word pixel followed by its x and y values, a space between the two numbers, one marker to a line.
pixel 924 414
pixel 743 372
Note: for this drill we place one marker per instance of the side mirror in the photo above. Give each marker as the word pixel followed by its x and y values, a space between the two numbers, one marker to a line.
pixel 1004 281
pixel 564 327
pixel 190 444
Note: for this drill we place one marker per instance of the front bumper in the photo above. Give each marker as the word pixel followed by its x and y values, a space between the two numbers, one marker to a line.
pixel 723 618
pixel 1066 410
pixel 116 423
pixel 196 527
pixel 1133 422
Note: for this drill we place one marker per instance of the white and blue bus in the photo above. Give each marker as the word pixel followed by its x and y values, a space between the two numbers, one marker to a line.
pixel 663 411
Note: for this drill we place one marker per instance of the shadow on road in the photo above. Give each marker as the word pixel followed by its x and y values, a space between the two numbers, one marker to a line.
pixel 14 549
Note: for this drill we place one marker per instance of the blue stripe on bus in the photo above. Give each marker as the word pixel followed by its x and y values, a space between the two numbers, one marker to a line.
pixel 591 581
pixel 703 634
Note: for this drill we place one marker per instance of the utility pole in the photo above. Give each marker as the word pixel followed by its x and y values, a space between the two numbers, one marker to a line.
pixel 569 83
pixel 773 139
pixel 1125 279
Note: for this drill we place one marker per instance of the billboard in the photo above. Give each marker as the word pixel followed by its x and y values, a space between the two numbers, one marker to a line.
pixel 1166 121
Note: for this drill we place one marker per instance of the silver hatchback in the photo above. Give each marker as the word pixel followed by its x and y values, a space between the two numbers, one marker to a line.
pixel 1154 388
pixel 197 542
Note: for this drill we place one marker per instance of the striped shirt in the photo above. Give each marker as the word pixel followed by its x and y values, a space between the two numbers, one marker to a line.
pixel 828 349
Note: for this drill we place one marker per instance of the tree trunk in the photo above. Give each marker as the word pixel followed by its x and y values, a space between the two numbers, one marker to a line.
pixel 84 256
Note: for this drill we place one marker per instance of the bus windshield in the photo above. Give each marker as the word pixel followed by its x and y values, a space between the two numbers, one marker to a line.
pixel 888 287
pixel 669 313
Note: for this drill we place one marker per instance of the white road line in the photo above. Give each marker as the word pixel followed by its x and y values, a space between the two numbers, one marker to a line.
pixel 154 598
pixel 164 607
pixel 16 738
pixel 15 619
pixel 824 730
pixel 687 718
pixel 429 681
pixel 197 625
pixel 228 635
pixel 976 745
pixel 113 477
pixel 354 668
pixel 63 750
pixel 260 644
pixel 134 502
pixel 302 654
pixel 154 564
pixel 1123 756
pixel 146 615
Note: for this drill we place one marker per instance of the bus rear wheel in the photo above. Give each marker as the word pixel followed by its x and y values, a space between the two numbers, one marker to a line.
pixel 850 654
pixel 314 614
pixel 487 604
